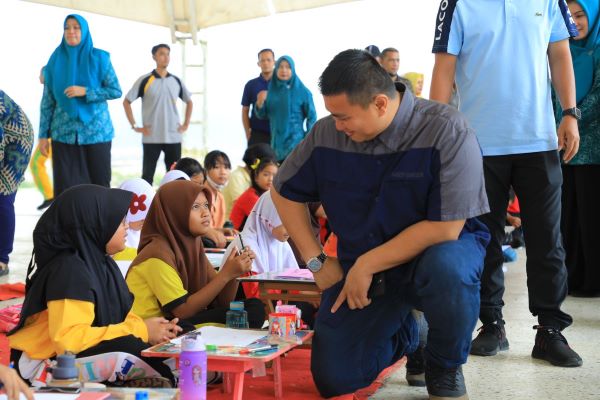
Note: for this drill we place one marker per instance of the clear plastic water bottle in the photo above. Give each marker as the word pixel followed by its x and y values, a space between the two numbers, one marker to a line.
pixel 192 368
pixel 236 317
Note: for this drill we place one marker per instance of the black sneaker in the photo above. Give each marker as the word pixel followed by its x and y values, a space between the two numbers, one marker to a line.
pixel 45 204
pixel 445 383
pixel 415 368
pixel 551 345
pixel 490 340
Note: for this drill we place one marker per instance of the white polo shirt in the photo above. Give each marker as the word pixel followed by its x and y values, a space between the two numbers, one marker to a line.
pixel 502 70
pixel 159 105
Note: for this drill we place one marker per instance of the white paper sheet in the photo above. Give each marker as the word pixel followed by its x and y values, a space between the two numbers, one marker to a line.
pixel 226 336
pixel 45 396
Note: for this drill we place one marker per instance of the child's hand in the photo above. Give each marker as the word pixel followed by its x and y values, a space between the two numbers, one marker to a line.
pixel 280 233
pixel 238 264
pixel 13 384
pixel 217 237
pixel 161 330
pixel 513 221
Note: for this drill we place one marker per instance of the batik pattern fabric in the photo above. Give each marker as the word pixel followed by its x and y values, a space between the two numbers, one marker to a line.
pixel 16 142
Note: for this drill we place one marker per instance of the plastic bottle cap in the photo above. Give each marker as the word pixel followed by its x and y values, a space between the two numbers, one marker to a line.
pixel 192 342
pixel 141 395
pixel 236 305
pixel 65 367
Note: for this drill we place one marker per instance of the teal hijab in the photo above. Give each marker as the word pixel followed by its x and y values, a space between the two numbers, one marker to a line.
pixel 586 52
pixel 281 94
pixel 80 65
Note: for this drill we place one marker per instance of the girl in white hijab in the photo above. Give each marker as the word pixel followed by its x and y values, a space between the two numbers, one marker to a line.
pixel 267 237
pixel 143 194
pixel 174 175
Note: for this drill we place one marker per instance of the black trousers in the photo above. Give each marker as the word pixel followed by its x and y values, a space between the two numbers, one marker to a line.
pixel 75 164
pixel 259 137
pixel 536 179
pixel 580 224
pixel 152 152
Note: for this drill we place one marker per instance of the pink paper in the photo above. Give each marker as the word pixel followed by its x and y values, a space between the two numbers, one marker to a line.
pixel 295 273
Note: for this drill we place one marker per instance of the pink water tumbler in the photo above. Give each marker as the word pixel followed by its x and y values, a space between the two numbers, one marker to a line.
pixel 192 368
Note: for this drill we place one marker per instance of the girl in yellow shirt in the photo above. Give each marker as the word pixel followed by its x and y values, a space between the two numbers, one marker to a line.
pixel 76 298
pixel 171 275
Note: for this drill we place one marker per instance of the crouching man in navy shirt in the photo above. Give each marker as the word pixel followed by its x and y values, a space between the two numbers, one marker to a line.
pixel 401 181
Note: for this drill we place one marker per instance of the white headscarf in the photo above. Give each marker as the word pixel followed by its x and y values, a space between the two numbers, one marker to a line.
pixel 138 209
pixel 173 175
pixel 271 254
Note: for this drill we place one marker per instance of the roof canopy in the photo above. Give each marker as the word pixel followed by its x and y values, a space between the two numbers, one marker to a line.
pixel 188 16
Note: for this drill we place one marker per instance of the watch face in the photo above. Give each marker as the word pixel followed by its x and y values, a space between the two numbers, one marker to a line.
pixel 314 264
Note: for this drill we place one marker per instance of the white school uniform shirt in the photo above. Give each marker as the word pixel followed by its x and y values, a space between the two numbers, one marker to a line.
pixel 271 254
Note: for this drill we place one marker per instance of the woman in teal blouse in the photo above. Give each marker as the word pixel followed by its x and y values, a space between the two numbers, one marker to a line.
pixel 289 108
pixel 581 176
pixel 79 79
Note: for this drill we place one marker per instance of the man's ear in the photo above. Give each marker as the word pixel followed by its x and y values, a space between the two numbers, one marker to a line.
pixel 381 102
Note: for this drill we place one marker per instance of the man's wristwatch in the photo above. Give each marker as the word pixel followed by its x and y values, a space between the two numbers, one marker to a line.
pixel 573 112
pixel 316 263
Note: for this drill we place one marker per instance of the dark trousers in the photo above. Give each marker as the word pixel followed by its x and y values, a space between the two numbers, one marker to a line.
pixel 580 223
pixel 259 137
pixel 7 232
pixel 536 179
pixel 152 151
pixel 75 164
pixel 351 347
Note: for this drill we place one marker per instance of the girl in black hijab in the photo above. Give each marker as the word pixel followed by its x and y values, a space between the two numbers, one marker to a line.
pixel 76 298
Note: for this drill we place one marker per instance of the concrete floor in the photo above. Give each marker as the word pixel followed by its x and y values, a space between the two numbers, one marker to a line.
pixel 509 375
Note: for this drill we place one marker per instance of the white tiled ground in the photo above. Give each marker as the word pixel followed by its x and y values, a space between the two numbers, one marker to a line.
pixel 514 374
pixel 510 375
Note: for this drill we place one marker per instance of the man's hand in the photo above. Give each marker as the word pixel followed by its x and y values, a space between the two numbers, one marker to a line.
pixel 355 289
pixel 143 130
pixel 75 91
pixel 13 384
pixel 330 274
pixel 260 98
pixel 44 145
pixel 568 137
pixel 160 330
pixel 183 128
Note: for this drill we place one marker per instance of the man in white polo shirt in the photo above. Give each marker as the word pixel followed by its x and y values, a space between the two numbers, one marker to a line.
pixel 498 52
pixel 161 128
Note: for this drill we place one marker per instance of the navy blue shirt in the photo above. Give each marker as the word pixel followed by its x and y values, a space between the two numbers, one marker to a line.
pixel 249 100
pixel 426 165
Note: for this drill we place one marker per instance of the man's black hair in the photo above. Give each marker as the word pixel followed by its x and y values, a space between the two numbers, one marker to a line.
pixel 264 50
pixel 358 75
pixel 388 50
pixel 159 46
